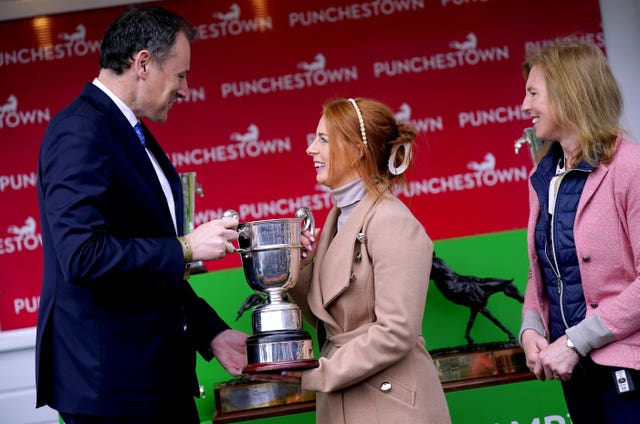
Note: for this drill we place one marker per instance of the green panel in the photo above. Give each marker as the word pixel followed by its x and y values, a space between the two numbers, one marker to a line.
pixel 531 402
pixel 501 255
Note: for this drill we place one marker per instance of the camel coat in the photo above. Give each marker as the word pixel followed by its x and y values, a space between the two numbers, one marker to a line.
pixel 371 294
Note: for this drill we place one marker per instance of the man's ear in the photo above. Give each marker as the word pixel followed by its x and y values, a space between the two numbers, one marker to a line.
pixel 141 62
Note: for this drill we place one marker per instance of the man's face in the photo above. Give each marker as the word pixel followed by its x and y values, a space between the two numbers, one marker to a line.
pixel 166 81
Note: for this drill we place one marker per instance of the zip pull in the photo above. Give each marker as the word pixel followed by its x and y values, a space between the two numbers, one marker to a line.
pixel 559 285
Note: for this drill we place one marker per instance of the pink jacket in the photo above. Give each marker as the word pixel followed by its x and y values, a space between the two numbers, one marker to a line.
pixel 607 237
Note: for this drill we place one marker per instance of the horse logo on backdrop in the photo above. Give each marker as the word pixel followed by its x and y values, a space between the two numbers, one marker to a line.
pixel 76 36
pixel 318 64
pixel 488 164
pixel 11 117
pixel 470 43
pixel 251 136
pixel 29 228
pixel 421 124
pixel 66 45
pixel 21 238
pixel 404 113
pixel 10 106
pixel 232 15
pixel 310 74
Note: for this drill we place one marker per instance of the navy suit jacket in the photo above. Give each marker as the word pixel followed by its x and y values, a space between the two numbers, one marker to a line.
pixel 118 327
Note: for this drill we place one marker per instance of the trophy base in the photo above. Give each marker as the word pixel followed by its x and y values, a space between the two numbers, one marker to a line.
pixel 279 350
pixel 468 365
pixel 303 364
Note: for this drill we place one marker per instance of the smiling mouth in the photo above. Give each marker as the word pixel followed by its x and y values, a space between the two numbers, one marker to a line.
pixel 318 165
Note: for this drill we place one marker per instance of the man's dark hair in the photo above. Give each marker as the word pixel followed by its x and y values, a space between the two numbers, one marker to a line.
pixel 151 28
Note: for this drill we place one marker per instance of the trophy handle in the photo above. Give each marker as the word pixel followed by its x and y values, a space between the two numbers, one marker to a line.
pixel 304 213
pixel 535 144
pixel 230 213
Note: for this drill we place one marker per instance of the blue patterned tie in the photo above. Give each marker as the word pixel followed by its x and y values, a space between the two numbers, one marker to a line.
pixel 138 128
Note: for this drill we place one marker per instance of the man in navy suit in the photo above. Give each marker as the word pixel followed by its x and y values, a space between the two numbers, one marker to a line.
pixel 119 325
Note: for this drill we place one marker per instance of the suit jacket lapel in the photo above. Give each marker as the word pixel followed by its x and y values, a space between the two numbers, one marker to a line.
pixel 172 176
pixel 130 143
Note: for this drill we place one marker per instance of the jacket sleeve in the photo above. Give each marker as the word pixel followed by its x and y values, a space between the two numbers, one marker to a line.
pixel 202 321
pixel 532 314
pixel 75 178
pixel 617 315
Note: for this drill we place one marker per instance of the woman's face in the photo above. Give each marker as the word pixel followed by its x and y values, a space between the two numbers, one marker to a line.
pixel 538 105
pixel 319 149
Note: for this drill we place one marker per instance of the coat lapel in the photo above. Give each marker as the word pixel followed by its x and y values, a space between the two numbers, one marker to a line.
pixel 337 260
pixel 593 182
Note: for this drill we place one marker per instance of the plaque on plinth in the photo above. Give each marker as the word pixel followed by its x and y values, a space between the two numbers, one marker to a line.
pixel 243 394
pixel 242 399
pixel 480 365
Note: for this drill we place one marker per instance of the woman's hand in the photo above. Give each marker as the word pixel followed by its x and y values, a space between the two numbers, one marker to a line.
pixel 532 344
pixel 308 250
pixel 557 360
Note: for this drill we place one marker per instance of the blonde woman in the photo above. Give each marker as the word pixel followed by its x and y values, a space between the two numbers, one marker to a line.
pixel 581 320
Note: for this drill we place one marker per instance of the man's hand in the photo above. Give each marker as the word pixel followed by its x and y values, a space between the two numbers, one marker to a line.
pixel 212 240
pixel 229 348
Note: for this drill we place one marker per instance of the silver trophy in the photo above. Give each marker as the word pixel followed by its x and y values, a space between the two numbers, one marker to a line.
pixel 535 144
pixel 189 190
pixel 270 252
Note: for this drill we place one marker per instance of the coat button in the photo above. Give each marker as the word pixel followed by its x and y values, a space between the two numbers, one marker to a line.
pixel 358 257
pixel 352 278
pixel 385 387
pixel 586 259
pixel 594 305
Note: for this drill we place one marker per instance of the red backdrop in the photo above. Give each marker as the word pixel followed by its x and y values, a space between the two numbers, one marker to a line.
pixel 260 73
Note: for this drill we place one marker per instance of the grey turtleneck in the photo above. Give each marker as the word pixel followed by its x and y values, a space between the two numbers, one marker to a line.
pixel 347 198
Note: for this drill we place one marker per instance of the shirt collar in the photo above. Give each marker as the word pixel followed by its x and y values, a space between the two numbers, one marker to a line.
pixel 128 113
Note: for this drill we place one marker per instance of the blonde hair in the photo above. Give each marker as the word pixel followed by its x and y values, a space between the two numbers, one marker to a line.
pixel 583 92
pixel 382 132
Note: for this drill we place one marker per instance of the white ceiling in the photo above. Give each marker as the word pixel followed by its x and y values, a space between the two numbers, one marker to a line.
pixel 18 9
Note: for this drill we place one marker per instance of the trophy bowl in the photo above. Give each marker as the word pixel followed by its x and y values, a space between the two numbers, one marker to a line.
pixel 270 252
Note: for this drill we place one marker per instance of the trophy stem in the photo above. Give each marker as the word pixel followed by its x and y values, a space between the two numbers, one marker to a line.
pixel 275 296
